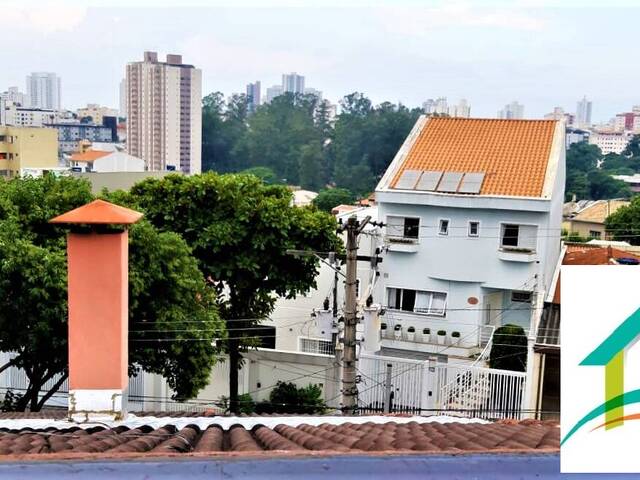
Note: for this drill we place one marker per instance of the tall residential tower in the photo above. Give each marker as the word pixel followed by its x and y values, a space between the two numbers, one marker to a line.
pixel 43 90
pixel 164 113
pixel 583 113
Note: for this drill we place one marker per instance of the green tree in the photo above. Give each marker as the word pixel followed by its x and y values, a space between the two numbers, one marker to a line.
pixel 509 350
pixel 265 174
pixel 633 147
pixel 624 223
pixel 311 160
pixel 166 289
pixel 583 157
pixel 603 186
pixel 287 398
pixel 329 198
pixel 240 229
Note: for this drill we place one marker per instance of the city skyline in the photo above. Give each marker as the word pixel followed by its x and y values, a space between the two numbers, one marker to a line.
pixel 408 64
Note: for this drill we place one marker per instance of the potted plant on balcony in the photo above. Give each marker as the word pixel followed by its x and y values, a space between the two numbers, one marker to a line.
pixel 383 330
pixel 442 334
pixel 397 331
pixel 455 338
pixel 411 334
pixel 426 335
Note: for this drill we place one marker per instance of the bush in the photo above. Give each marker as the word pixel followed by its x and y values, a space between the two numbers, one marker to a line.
pixel 245 403
pixel 287 398
pixel 509 350
pixel 330 198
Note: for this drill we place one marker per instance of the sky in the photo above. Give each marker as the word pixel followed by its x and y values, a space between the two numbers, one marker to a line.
pixel 540 53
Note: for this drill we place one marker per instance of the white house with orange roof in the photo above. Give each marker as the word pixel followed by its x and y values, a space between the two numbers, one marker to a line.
pixel 473 212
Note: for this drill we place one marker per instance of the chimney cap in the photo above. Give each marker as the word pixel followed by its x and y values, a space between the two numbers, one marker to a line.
pixel 99 212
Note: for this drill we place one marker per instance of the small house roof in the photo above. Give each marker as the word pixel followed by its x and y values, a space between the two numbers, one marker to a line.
pixel 99 212
pixel 626 333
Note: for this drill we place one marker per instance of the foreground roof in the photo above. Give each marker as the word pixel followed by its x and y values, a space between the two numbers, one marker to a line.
pixel 224 436
pixel 513 155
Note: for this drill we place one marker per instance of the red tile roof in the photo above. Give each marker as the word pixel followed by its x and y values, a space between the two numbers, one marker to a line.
pixel 89 156
pixel 392 437
pixel 99 212
pixel 589 255
pixel 513 154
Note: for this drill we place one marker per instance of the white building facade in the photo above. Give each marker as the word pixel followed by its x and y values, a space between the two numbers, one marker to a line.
pixel 164 113
pixel 610 142
pixel 44 91
pixel 472 233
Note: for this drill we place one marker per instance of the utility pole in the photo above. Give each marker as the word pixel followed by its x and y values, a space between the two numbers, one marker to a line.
pixel 349 388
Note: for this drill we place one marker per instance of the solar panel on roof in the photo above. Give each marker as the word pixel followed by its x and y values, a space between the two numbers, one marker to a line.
pixel 428 181
pixel 408 179
pixel 471 183
pixel 449 182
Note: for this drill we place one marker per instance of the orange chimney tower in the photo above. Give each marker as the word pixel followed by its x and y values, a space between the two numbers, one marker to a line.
pixel 98 262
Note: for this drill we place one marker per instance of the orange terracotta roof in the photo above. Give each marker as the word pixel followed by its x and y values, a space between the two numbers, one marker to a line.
pixel 89 156
pixel 99 212
pixel 513 154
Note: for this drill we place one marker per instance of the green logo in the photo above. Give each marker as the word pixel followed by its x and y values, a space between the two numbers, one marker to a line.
pixel 610 355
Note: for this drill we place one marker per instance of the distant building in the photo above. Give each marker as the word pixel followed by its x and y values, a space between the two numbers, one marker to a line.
pixel 123 98
pixel 587 220
pixel 43 89
pixel 627 121
pixel 610 142
pixel 96 112
pixel 71 134
pixel 164 113
pixel 273 92
pixel 15 96
pixel 583 113
pixel 16 116
pixel 101 162
pixel 27 151
pixel 313 91
pixel 512 111
pixel 253 96
pixel 438 106
pixel 292 83
pixel 461 110
pixel 632 180
pixel 576 135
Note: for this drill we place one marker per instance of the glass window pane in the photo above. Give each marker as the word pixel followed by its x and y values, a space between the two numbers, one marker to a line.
pixel 438 303
pixel 408 300
pixel 510 235
pixel 411 227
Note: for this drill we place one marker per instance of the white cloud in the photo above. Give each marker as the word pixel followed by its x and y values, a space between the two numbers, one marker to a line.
pixel 44 18
pixel 420 21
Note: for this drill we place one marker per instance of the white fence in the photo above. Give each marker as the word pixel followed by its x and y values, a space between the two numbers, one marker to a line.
pixel 427 387
pixel 409 384
pixel 479 392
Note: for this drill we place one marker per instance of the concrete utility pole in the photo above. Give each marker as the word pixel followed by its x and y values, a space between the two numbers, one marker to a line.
pixel 349 388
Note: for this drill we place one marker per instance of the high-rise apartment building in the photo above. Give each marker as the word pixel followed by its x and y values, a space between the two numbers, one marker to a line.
pixel 273 92
pixel 253 96
pixel 583 113
pixel 461 110
pixel 313 91
pixel 123 98
pixel 293 83
pixel 512 111
pixel 43 89
pixel 438 106
pixel 14 96
pixel 164 113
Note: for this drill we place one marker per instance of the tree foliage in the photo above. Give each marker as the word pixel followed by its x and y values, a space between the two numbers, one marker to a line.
pixel 239 229
pixel 624 223
pixel 329 198
pixel 166 289
pixel 589 173
pixel 509 350
pixel 297 139
pixel 286 397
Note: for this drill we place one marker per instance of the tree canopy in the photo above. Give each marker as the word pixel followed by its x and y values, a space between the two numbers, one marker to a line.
pixel 589 173
pixel 624 223
pixel 239 229
pixel 329 198
pixel 296 137
pixel 166 291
